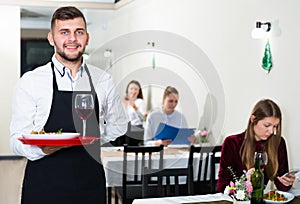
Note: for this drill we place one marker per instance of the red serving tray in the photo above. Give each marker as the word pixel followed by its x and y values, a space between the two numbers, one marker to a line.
pixel 77 141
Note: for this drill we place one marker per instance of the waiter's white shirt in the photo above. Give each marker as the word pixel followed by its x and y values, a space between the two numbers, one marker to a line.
pixel 32 101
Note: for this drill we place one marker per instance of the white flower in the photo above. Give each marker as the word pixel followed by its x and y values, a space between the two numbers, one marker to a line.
pixel 240 195
pixel 226 191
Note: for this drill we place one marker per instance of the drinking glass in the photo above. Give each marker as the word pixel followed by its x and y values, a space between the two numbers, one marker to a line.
pixel 263 159
pixel 84 106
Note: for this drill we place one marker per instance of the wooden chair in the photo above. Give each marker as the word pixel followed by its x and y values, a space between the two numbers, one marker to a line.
pixel 132 170
pixel 133 137
pixel 204 168
pixel 166 182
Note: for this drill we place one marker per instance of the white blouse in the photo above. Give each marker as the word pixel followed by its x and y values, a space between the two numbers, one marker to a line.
pixel 136 116
pixel 175 119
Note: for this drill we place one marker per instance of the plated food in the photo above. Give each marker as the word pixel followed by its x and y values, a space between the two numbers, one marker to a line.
pixel 44 132
pixel 275 196
pixel 51 135
pixel 58 138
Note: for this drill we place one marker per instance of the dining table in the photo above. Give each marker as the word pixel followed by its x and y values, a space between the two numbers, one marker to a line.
pixel 112 160
pixel 218 198
pixel 174 157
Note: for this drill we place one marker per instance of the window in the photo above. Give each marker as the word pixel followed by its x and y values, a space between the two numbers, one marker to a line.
pixel 34 53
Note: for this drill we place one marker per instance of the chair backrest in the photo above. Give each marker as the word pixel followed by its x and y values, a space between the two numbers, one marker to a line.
pixel 166 182
pixel 150 156
pixel 204 161
pixel 134 135
pixel 215 166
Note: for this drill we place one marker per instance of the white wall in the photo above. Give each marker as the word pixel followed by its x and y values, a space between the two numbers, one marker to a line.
pixel 10 68
pixel 222 29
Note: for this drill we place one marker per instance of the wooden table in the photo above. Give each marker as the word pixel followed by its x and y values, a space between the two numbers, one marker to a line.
pixel 296 200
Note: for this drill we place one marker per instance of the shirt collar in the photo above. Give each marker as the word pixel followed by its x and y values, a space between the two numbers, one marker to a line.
pixel 62 69
pixel 167 116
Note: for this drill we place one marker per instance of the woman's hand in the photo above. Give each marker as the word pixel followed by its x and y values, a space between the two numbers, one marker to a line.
pixel 163 142
pixel 131 102
pixel 249 173
pixel 192 139
pixel 287 180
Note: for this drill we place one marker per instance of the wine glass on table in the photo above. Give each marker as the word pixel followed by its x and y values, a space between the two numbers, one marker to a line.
pixel 84 106
pixel 263 159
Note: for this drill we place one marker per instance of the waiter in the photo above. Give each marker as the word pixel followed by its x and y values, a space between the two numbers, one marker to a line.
pixel 44 100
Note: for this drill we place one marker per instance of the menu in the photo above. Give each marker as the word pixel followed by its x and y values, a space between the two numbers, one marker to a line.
pixel 177 135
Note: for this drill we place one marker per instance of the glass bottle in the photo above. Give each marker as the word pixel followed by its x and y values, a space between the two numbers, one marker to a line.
pixel 257 180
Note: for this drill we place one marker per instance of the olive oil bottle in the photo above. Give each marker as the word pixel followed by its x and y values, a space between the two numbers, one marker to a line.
pixel 257 180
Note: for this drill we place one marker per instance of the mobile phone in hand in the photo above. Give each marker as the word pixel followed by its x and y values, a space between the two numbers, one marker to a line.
pixel 291 172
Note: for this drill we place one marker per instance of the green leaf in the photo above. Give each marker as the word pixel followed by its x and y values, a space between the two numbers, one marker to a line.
pixel 59 131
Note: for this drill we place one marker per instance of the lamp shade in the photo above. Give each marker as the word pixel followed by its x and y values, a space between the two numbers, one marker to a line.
pixel 258 33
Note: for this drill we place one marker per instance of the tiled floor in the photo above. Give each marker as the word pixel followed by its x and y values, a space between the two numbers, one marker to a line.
pixel 11 177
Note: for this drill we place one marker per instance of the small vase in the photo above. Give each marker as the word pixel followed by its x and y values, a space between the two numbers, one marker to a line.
pixel 203 139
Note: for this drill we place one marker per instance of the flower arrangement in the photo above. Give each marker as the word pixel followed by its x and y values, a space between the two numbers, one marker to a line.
pixel 240 189
pixel 202 135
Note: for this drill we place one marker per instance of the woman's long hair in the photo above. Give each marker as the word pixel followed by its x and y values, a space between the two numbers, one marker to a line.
pixel 264 108
pixel 140 94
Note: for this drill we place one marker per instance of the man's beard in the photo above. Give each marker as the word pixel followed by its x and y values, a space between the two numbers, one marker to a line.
pixel 71 59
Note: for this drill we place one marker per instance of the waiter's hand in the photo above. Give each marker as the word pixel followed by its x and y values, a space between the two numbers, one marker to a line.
pixel 50 149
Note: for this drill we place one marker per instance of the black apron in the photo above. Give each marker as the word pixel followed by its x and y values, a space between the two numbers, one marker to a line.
pixel 72 175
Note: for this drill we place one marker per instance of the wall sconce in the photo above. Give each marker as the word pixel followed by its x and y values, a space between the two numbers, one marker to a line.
pixel 261 30
pixel 152 44
pixel 108 55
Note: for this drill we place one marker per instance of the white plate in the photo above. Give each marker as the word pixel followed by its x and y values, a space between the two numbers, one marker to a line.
pixel 289 197
pixel 65 135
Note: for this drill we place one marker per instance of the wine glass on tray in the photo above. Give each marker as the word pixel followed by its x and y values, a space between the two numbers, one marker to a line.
pixel 84 106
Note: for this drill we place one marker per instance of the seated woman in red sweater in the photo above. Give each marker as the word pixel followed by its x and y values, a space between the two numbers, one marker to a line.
pixel 262 134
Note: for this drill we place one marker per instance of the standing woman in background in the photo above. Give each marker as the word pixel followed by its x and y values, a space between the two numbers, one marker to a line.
pixel 263 133
pixel 134 104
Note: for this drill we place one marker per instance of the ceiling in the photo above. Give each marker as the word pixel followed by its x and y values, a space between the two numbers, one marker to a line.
pixel 36 14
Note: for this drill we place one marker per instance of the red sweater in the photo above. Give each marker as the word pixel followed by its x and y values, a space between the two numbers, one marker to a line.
pixel 230 157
